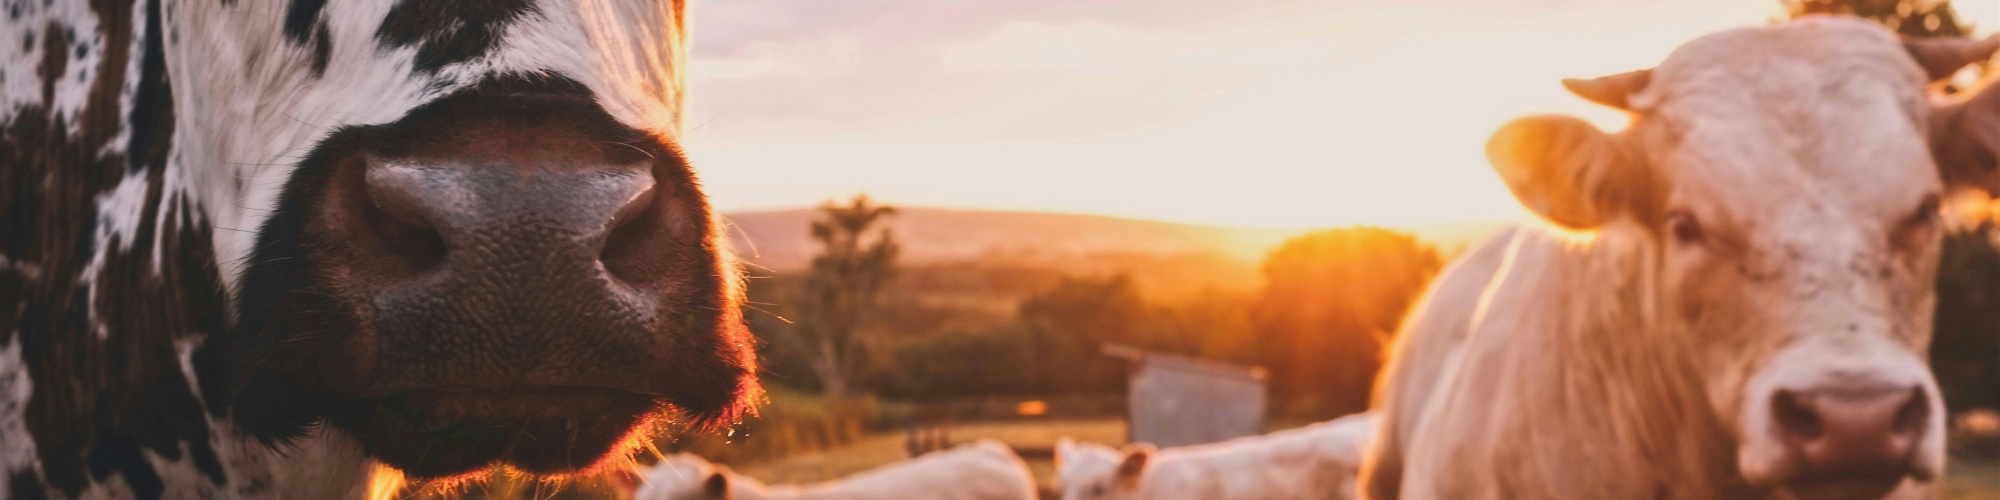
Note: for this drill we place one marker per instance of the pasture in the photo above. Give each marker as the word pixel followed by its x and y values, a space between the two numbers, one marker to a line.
pixel 1972 478
pixel 880 449
pixel 1968 478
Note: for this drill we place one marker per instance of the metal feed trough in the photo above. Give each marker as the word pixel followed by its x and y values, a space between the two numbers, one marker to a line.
pixel 1180 401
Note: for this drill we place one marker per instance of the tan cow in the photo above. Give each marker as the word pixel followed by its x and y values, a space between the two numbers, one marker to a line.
pixel 986 470
pixel 1740 305
pixel 1318 461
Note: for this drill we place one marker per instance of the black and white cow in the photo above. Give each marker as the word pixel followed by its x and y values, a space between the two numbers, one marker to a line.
pixel 252 248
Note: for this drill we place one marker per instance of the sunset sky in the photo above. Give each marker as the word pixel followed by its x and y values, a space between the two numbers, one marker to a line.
pixel 1242 112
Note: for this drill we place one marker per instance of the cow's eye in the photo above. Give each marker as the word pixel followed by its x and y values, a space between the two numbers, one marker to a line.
pixel 1927 212
pixel 1921 227
pixel 1684 228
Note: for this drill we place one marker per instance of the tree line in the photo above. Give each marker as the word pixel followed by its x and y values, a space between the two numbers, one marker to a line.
pixel 1329 306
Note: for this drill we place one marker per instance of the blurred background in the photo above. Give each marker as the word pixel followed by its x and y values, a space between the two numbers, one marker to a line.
pixel 950 208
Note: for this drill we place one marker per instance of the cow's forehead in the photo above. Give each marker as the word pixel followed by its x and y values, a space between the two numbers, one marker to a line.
pixel 1817 119
pixel 274 78
pixel 390 55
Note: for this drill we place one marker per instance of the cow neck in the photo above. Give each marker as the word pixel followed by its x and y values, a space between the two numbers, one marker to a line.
pixel 1602 370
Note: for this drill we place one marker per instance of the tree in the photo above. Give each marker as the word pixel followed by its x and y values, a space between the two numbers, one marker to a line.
pixel 1331 301
pixel 1965 348
pixel 1068 325
pixel 856 261
pixel 1053 345
pixel 1908 17
pixel 1213 324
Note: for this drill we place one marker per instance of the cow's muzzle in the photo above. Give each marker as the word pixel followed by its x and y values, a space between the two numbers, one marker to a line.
pixel 506 275
pixel 513 276
pixel 1856 431
pixel 524 241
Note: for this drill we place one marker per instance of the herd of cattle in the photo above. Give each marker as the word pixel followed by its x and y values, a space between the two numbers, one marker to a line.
pixel 1315 461
pixel 265 248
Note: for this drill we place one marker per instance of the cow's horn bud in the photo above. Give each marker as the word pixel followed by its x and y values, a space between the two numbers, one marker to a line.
pixel 1614 91
pixel 1942 57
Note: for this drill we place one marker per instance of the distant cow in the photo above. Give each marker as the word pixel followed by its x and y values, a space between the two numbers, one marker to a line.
pixel 985 470
pixel 1744 306
pixel 440 236
pixel 1318 461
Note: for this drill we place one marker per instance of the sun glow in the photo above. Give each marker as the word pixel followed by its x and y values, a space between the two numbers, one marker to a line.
pixel 1263 114
pixel 385 482
pixel 619 469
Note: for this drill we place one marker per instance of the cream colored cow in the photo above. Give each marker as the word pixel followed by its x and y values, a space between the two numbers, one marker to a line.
pixel 1737 302
pixel 1318 461
pixel 986 470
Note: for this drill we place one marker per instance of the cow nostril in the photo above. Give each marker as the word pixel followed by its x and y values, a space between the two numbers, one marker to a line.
pixel 627 235
pixel 414 242
pixel 1795 416
pixel 1911 416
pixel 399 225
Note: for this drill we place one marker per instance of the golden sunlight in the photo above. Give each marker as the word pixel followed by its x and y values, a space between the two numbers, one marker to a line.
pixel 1297 116
pixel 385 482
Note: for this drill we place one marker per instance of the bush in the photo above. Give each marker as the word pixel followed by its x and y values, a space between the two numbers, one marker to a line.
pixel 1331 301
pixel 1051 347
pixel 1965 350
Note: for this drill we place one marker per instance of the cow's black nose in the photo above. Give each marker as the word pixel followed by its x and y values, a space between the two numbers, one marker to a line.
pixel 532 267
pixel 430 215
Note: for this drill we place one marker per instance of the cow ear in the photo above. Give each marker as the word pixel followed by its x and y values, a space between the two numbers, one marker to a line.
pixel 1064 447
pixel 1965 141
pixel 1965 135
pixel 1614 91
pixel 717 486
pixel 1942 57
pixel 1568 171
pixel 1134 463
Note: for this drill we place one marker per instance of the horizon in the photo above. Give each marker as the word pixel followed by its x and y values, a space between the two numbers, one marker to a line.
pixel 772 238
pixel 1173 111
pixel 1124 218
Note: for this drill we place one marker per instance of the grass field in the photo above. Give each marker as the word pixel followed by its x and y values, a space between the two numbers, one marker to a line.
pixel 1967 479
pixel 880 449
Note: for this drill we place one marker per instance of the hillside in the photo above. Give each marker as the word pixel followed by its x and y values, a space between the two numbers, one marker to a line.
pixel 778 239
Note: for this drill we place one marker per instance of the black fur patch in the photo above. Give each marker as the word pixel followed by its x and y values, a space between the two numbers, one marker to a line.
pixel 22 485
pixel 55 60
pixel 446 32
pixel 305 26
pixel 300 18
pixel 100 404
pixel 322 46
pixel 152 120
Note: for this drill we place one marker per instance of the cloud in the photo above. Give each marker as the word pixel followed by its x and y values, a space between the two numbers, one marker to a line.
pixel 899 70
pixel 1013 70
pixel 1280 111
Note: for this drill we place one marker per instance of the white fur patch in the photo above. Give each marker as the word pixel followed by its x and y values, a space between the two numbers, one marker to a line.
pixel 17 447
pixel 118 214
pixel 20 76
